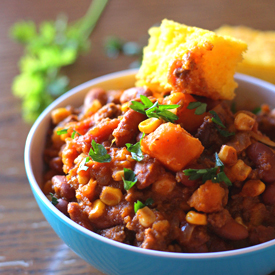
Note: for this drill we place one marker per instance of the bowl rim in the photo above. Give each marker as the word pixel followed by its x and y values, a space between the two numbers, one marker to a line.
pixel 64 219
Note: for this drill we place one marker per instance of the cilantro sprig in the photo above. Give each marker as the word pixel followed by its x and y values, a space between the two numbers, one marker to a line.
pixel 48 48
pixel 150 109
pixel 199 106
pixel 135 150
pixel 216 119
pixel 129 178
pixel 138 204
pixel 216 174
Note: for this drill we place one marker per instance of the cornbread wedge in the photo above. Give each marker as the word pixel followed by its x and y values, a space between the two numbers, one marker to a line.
pixel 190 60
pixel 259 60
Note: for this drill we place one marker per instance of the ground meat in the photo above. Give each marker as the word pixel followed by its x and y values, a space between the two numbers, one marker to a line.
pixel 79 216
pixel 116 233
pixel 147 171
pixel 110 110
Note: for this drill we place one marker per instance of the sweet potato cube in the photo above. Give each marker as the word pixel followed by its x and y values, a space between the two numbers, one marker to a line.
pixel 172 146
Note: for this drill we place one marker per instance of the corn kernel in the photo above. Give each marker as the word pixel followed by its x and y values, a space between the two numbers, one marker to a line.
pixel 93 108
pixel 240 170
pixel 244 122
pixel 59 114
pixel 97 209
pixel 149 125
pixel 196 218
pixel 111 196
pixel 253 188
pixel 117 175
pixel 164 185
pixel 228 155
pixel 146 216
pixel 125 107
pixel 83 179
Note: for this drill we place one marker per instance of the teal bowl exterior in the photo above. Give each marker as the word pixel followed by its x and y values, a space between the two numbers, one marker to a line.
pixel 112 257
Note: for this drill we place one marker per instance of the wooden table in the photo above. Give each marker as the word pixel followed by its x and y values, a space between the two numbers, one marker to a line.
pixel 28 245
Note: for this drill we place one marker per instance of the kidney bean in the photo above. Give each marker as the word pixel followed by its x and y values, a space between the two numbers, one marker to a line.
pixel 133 93
pixel 62 188
pixel 62 206
pixel 269 194
pixel 95 93
pixel 232 231
pixel 264 159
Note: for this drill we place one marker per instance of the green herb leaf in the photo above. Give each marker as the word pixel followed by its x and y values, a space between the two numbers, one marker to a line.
pixel 225 133
pixel 98 153
pixel 151 109
pixel 256 110
pixel 216 119
pixel 75 133
pixel 48 48
pixel 135 150
pixel 138 204
pixel 62 132
pixel 129 178
pixel 209 173
pixel 82 165
pixel 54 200
pixel 199 106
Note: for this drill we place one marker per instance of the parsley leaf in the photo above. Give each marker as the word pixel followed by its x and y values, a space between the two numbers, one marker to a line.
pixel 147 107
pixel 129 178
pixel 62 132
pixel 82 165
pixel 48 48
pixel 98 153
pixel 65 131
pixel 199 106
pixel 75 133
pixel 256 110
pixel 138 204
pixel 209 173
pixel 53 199
pixel 135 150
pixel 216 119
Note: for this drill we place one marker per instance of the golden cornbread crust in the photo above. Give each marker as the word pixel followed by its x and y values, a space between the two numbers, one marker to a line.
pixel 259 60
pixel 190 60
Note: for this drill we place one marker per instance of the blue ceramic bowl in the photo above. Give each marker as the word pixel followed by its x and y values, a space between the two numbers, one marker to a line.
pixel 113 257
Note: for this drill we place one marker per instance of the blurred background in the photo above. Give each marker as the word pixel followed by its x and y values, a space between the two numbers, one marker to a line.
pixel 27 243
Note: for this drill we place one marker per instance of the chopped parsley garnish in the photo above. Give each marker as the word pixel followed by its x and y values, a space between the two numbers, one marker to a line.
pixel 216 119
pixel 135 150
pixel 215 174
pixel 256 110
pixel 65 131
pixel 98 153
pixel 62 132
pixel 53 199
pixel 150 109
pixel 138 204
pixel 82 165
pixel 199 106
pixel 75 133
pixel 129 178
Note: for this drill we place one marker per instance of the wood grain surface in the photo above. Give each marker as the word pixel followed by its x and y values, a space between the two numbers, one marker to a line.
pixel 28 245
